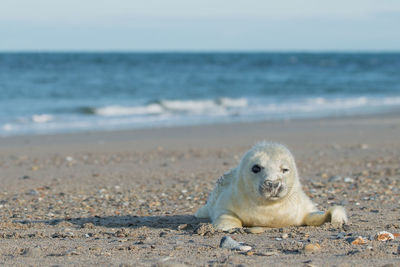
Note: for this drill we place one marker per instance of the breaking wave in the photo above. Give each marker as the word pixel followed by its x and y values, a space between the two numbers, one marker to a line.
pixel 191 112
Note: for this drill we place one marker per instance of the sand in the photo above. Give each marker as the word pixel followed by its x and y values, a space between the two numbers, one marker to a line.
pixel 127 198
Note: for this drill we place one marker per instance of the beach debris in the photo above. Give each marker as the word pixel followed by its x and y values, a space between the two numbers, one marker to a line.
pixel 205 229
pixel 348 180
pixel 35 168
pixel 229 243
pixel 267 253
pixel 32 252
pixel 312 247
pixel 334 178
pixel 364 146
pixel 183 226
pixel 384 236
pixel 255 230
pixel 32 192
pixel 357 241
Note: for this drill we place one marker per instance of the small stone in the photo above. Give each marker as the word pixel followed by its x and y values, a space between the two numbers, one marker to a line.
pixel 205 229
pixel 285 236
pixel 384 236
pixel 364 146
pixel 25 177
pixel 33 192
pixel 268 253
pixel 88 225
pixel 32 252
pixel 229 243
pixel 334 179
pixel 340 235
pixel 169 264
pixel 183 226
pixel 255 230
pixel 345 227
pixel 35 168
pixel 312 247
pixel 348 180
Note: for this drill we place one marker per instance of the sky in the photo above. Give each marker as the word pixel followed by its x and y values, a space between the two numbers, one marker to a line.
pixel 207 25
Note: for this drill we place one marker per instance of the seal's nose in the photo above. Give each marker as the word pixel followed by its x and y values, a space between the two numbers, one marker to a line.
pixel 271 185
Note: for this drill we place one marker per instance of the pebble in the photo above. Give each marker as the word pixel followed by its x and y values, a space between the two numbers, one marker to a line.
pixel 334 178
pixel 229 243
pixel 32 252
pixel 312 247
pixel 364 146
pixel 348 180
pixel 33 192
pixel 268 253
pixel 205 229
pixel 182 226
pixel 255 230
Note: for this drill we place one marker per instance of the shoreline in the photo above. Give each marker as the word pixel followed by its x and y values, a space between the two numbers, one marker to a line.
pixel 392 116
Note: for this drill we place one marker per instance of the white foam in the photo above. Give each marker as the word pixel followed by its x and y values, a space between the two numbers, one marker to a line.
pixel 42 118
pixel 191 112
pixel 195 106
pixel 233 103
pixel 124 111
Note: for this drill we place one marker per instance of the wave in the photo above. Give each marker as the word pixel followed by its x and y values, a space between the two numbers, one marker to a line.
pixel 191 112
pixel 217 106
pixel 245 106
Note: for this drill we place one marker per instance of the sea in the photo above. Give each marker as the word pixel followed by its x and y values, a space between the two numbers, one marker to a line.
pixel 43 93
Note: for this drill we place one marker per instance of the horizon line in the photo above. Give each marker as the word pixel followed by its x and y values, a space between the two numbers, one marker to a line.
pixel 199 51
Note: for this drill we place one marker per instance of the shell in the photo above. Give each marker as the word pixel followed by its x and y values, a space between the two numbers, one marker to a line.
pixel 384 236
pixel 359 241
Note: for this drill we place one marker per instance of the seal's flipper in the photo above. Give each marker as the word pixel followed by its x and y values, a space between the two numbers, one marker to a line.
pixel 336 215
pixel 202 213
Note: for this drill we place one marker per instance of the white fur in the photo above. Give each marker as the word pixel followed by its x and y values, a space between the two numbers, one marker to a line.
pixel 236 200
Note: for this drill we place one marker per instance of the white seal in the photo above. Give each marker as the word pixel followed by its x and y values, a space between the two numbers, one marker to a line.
pixel 264 190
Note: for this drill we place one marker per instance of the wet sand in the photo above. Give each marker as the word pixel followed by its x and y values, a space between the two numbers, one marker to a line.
pixel 126 198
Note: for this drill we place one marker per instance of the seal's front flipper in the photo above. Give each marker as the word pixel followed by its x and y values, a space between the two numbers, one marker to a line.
pixel 227 222
pixel 202 213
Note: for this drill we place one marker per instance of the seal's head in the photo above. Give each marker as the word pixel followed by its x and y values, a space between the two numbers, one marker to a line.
pixel 268 171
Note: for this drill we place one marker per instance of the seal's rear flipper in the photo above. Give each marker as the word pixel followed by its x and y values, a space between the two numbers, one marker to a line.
pixel 316 218
pixel 336 215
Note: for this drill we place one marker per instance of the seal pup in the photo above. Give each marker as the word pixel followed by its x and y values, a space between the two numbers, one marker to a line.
pixel 264 190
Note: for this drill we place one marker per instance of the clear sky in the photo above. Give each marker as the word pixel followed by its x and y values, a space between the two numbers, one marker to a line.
pixel 206 25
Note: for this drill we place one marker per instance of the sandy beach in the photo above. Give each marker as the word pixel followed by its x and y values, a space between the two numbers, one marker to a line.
pixel 127 198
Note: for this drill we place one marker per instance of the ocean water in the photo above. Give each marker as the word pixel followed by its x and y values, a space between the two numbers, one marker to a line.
pixel 71 92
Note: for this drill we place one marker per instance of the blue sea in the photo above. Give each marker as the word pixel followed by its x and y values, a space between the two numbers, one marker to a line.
pixel 71 92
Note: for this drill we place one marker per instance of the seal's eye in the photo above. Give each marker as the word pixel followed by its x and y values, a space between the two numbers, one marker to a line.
pixel 284 170
pixel 256 168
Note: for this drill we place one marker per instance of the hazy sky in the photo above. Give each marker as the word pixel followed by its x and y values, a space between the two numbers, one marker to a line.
pixel 177 25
